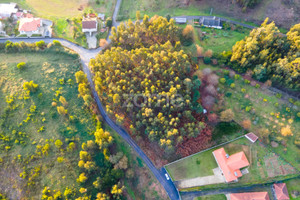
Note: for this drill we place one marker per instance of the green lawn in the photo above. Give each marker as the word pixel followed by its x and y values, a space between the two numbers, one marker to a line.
pixel 262 168
pixel 219 40
pixel 212 197
pixel 293 186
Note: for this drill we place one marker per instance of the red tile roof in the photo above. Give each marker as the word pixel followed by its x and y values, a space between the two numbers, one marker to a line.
pixel 250 196
pixel 252 137
pixel 89 24
pixel 281 191
pixel 29 24
pixel 230 166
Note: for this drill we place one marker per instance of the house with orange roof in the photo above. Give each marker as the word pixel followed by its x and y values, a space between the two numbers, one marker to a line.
pixel 230 165
pixel 281 192
pixel 249 196
pixel 29 25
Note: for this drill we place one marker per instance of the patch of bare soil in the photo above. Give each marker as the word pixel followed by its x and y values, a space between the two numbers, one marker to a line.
pixel 11 184
pixel 285 13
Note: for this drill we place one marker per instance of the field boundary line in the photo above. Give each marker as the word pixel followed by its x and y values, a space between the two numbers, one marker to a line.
pixel 205 150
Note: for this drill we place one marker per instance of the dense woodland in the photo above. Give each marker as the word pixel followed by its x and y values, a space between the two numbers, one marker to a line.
pixel 269 55
pixel 149 78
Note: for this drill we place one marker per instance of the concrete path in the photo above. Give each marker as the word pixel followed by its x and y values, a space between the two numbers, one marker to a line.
pixel 201 181
pixel 91 40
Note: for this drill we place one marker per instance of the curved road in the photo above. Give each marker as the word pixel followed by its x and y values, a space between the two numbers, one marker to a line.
pixel 85 56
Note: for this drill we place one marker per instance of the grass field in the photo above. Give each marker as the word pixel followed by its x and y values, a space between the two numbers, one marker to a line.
pixel 37 123
pixel 261 167
pixel 293 186
pixel 219 40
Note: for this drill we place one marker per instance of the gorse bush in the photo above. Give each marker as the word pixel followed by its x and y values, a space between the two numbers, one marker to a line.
pixel 30 86
pixel 21 65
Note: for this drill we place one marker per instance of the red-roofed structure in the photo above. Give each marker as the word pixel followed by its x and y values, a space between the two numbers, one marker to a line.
pixel 250 196
pixel 230 165
pixel 281 191
pixel 29 24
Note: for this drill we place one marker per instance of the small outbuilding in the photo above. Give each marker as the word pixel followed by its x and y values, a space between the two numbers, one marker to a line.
pixel 180 20
pixel 211 22
pixel 251 137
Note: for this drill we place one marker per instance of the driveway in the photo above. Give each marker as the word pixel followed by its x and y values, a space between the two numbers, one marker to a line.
pixel 201 181
pixel 91 40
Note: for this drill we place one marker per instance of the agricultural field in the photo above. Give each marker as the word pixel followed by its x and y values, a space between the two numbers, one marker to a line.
pixel 284 13
pixel 268 112
pixel 265 165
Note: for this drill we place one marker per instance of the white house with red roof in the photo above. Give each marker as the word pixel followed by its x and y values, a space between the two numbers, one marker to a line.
pixel 29 25
pixel 230 165
pixel 89 25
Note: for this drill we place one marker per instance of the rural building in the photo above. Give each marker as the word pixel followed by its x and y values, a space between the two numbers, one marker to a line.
pixel 230 165
pixel 89 25
pixel 249 196
pixel 281 192
pixel 8 9
pixel 251 137
pixel 30 25
pixel 212 22
pixel 180 20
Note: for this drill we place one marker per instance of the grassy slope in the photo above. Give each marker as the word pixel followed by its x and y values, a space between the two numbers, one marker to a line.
pixel 44 69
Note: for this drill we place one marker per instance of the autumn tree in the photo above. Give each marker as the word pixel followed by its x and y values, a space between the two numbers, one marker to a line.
pixel 246 124
pixel 227 115
pixel 286 131
pixel 188 35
